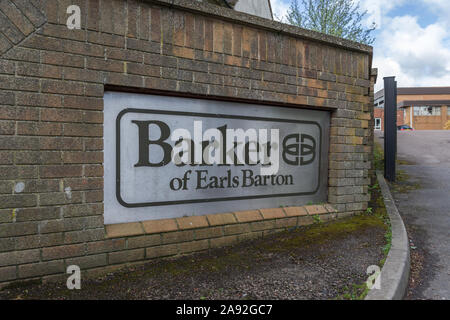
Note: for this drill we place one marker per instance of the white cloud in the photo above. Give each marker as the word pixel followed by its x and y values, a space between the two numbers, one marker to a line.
pixel 441 8
pixel 280 9
pixel 377 10
pixel 417 56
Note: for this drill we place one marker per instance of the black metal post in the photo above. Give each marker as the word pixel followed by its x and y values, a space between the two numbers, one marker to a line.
pixel 390 127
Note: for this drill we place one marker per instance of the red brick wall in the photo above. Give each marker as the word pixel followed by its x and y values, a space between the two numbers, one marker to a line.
pixel 379 113
pixel 52 82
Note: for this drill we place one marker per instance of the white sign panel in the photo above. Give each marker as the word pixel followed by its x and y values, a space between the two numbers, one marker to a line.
pixel 171 157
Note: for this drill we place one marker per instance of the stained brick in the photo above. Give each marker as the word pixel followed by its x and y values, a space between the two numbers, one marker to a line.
pixel 88 262
pixel 105 246
pixel 155 27
pixel 7 98
pixel 83 130
pixel 83 183
pixel 93 171
pixel 316 209
pixel 7 127
pixel 94 196
pixel 178 236
pixel 82 210
pixel 123 229
pixel 161 251
pixel 19 257
pixel 187 247
pixel 39 269
pixel 159 226
pixel 6 157
pixel 192 222
pixel 237 229
pixel 18 83
pixel 247 216
pixel 26 242
pixel 84 236
pixel 38 129
pixel 66 251
pixel 286 223
pixel 221 219
pixel 126 256
pixel 62 225
pixel 62 87
pixel 207 233
pixel 60 171
pixel 272 213
pixel 10 30
pixel 17 201
pixel 36 214
pixel 5 44
pixel 144 241
pixel 7 273
pixel 63 59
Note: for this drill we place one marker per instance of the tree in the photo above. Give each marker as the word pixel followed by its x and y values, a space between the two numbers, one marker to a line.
pixel 340 18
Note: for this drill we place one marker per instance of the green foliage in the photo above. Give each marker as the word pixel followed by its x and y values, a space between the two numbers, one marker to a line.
pixel 356 292
pixel 340 18
pixel 376 212
pixel 316 218
pixel 388 238
pixel 378 156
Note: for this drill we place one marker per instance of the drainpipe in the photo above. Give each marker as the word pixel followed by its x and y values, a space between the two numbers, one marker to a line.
pixel 411 110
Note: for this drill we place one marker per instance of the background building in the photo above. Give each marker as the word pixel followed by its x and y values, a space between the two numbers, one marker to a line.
pixel 379 112
pixel 423 108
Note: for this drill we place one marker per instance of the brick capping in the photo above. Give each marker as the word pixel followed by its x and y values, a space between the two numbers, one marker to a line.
pixel 255 21
pixel 208 221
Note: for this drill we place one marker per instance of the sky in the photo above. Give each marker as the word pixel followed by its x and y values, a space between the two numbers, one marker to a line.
pixel 412 39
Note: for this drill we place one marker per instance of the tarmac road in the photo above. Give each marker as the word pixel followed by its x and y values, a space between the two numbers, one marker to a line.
pixel 426 211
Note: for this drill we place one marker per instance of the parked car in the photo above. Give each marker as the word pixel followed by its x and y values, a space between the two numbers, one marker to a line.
pixel 404 127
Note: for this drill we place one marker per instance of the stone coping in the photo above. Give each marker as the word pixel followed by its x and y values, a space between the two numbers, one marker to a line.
pixel 248 19
pixel 195 222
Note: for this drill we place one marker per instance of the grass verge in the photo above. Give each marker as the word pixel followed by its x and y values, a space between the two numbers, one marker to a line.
pixel 378 210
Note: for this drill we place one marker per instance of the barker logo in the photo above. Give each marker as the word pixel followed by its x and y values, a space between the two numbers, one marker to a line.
pixel 174 157
pixel 222 146
pixel 170 157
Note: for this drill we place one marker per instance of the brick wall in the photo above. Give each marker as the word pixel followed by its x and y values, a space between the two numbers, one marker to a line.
pixel 379 113
pixel 52 82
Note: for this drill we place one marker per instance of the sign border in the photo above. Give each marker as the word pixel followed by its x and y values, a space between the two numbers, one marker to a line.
pixel 205 115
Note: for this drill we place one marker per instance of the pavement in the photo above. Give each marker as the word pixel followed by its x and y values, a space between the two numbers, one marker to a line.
pixel 426 210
